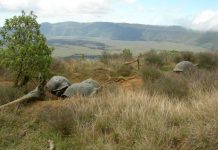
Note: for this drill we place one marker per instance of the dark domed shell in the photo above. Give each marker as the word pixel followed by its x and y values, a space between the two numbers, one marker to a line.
pixel 57 83
pixel 85 88
pixel 184 66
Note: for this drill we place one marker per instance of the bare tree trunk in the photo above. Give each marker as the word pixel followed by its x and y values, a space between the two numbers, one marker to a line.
pixel 138 62
pixel 16 82
pixel 24 81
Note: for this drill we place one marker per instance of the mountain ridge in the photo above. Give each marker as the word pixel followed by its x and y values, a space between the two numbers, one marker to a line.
pixel 132 32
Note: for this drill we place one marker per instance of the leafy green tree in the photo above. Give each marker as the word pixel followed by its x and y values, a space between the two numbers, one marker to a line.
pixel 24 49
pixel 127 54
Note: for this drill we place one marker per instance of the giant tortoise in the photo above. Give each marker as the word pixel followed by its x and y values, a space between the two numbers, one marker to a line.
pixel 88 87
pixel 184 66
pixel 60 86
pixel 57 85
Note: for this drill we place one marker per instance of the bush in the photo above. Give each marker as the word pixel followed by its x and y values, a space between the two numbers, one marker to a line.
pixel 188 56
pixel 172 86
pixel 166 57
pixel 127 54
pixel 125 70
pixel 184 56
pixel 150 74
pixel 208 60
pixel 167 68
pixel 152 58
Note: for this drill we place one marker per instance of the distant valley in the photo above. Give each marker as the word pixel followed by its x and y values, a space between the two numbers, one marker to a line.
pixel 71 38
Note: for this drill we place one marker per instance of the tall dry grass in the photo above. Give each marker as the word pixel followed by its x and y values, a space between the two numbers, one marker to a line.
pixel 137 120
pixel 119 119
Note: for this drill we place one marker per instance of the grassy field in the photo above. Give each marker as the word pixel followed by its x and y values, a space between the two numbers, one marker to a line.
pixel 113 46
pixel 122 120
pixel 153 108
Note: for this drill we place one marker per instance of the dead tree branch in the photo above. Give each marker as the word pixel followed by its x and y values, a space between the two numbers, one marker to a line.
pixel 133 61
pixel 51 145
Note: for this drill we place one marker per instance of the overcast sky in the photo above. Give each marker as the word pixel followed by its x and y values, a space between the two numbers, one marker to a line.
pixel 196 14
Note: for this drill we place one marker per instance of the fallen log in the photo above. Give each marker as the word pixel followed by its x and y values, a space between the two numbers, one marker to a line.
pixel 37 93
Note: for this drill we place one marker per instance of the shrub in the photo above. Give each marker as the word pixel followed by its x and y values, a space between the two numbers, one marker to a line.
pixel 183 56
pixel 152 58
pixel 208 60
pixel 125 70
pixel 150 73
pixel 167 68
pixel 166 57
pixel 172 86
pixel 188 56
pixel 127 54
pixel 175 56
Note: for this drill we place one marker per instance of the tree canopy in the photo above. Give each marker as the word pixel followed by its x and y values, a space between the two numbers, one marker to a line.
pixel 24 49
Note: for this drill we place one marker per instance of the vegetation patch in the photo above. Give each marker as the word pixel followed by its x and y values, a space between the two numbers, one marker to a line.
pixel 60 118
pixel 8 94
pixel 150 74
pixel 153 58
pixel 207 60
pixel 126 70
pixel 172 86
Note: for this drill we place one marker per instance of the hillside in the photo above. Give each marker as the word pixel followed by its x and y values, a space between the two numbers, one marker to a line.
pixel 125 32
pixel 126 114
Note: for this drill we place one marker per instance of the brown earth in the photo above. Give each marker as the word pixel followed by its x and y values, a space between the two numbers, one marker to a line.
pixel 6 83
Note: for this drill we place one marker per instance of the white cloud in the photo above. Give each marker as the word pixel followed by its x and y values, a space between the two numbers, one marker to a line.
pixel 15 5
pixel 51 7
pixel 61 10
pixel 206 20
pixel 55 7
pixel 130 1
